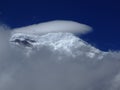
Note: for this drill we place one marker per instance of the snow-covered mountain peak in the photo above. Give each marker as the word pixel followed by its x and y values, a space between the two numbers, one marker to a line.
pixel 64 43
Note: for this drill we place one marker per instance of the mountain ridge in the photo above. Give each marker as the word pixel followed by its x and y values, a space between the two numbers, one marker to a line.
pixel 66 43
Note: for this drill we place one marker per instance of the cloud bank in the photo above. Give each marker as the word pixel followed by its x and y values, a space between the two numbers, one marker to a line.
pixel 44 70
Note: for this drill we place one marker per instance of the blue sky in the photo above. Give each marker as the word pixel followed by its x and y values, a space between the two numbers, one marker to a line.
pixel 102 15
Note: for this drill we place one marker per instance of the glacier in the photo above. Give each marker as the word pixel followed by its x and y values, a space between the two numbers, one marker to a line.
pixel 64 43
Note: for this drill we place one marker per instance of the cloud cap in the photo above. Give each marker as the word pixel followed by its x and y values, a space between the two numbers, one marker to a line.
pixel 55 26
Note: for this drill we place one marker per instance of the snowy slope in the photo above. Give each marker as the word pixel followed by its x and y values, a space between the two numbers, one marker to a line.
pixel 64 43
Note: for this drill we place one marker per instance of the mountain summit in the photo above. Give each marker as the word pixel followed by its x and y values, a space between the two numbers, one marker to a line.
pixel 63 43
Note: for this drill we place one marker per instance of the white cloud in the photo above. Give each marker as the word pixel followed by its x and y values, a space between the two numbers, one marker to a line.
pixel 44 69
pixel 55 26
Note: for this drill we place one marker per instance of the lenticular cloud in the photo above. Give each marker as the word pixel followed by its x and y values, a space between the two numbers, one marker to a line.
pixel 49 56
pixel 55 26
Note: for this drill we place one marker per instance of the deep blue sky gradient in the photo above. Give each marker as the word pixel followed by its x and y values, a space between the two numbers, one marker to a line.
pixel 102 15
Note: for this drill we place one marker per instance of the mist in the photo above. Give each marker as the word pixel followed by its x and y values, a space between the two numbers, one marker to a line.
pixel 43 70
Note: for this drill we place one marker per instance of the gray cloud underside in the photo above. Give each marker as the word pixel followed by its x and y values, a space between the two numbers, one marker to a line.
pixel 42 70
